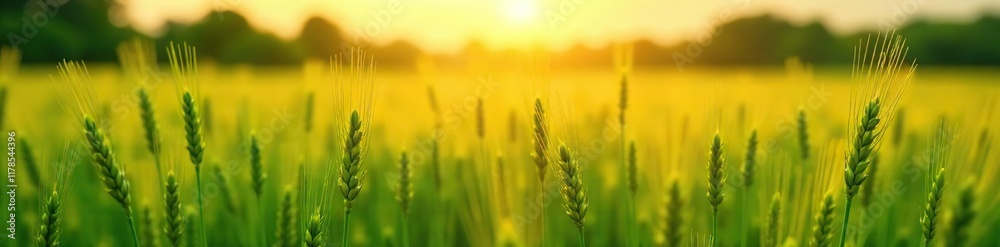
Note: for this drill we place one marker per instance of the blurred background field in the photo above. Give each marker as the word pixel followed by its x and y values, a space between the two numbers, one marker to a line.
pixel 671 120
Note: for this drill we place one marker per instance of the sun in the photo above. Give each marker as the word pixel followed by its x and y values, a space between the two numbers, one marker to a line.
pixel 521 11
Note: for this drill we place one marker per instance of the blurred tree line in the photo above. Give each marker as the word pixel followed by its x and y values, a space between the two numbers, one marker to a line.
pixel 51 30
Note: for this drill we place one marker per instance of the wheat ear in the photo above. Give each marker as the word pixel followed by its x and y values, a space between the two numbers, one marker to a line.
pixel 882 86
pixel 258 176
pixel 868 191
pixel 256 167
pixel 149 124
pixel 404 194
pixel 184 66
pixel 285 232
pixel 773 221
pixel 803 134
pixel 633 176
pixel 111 173
pixel 716 180
pixel 928 222
pixel 352 170
pixel 196 150
pixel 29 162
pixel 173 220
pixel 675 204
pixel 962 216
pixel 823 229
pixel 750 162
pixel 50 229
pixel 315 230
pixel 149 232
pixel 575 199
pixel 540 141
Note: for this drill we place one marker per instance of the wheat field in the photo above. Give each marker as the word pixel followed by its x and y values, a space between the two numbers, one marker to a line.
pixel 276 170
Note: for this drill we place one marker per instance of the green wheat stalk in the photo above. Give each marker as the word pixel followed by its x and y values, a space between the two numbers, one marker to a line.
pixel 675 204
pixel 111 173
pixel 352 170
pixel 149 232
pixel 632 238
pixel 876 68
pixel 716 180
pixel 152 130
pixel 749 165
pixel 803 134
pixel 285 228
pixel 50 228
pixel 404 194
pixel 29 162
pixel 174 218
pixel 355 92
pixel 823 228
pixel 773 221
pixel 258 176
pixel 540 141
pixel 859 157
pixel 928 221
pixel 315 233
pixel 184 66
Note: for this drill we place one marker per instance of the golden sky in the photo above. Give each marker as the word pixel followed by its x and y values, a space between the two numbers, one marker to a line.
pixel 446 26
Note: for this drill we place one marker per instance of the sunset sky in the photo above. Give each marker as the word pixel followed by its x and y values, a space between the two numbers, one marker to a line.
pixel 445 26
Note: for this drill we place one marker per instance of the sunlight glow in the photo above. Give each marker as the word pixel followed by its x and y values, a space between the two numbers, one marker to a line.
pixel 522 11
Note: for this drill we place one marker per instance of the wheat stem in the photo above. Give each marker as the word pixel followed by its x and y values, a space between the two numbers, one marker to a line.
pixel 347 220
pixel 716 180
pixel 847 215
pixel 201 210
pixel 258 177
pixel 404 194
pixel 352 171
pixel 540 156
pixel 749 165
pixel 135 234
pixel 859 157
